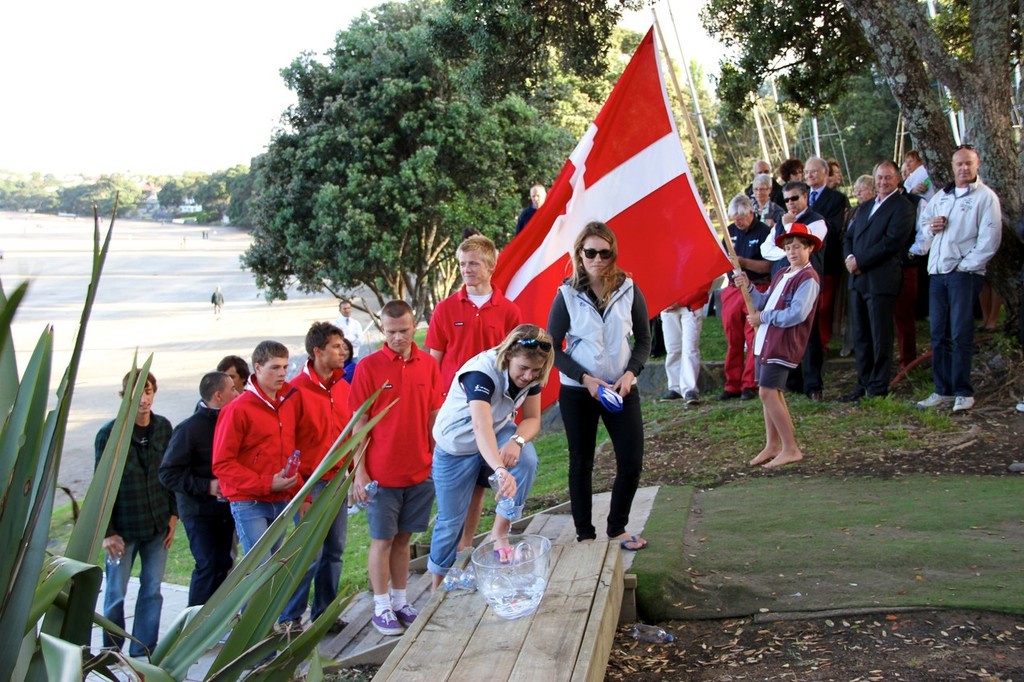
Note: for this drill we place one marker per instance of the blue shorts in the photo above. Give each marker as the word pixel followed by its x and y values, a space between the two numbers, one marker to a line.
pixel 771 374
pixel 395 510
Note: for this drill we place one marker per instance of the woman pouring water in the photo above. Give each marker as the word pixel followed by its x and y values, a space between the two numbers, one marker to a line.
pixel 476 428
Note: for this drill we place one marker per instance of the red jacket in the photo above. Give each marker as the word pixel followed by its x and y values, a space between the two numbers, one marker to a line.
pixel 324 414
pixel 253 440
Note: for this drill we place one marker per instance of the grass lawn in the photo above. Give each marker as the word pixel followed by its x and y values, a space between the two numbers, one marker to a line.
pixel 811 544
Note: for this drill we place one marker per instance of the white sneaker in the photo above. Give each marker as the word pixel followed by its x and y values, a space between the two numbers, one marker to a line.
pixel 935 400
pixel 963 403
pixel 1020 406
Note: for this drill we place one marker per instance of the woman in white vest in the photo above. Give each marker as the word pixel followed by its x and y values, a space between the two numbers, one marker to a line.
pixel 476 428
pixel 595 312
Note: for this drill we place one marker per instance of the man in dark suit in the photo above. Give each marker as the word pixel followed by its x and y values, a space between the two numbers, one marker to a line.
pixel 833 206
pixel 872 248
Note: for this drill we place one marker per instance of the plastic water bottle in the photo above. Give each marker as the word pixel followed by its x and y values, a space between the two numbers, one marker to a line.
pixel 460 580
pixel 292 467
pixel 371 491
pixel 651 633
pixel 506 505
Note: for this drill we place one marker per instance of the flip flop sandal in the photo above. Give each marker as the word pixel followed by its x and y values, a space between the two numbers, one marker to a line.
pixel 632 540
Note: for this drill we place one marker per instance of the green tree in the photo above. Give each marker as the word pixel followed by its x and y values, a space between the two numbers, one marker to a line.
pixel 504 46
pixel 101 193
pixel 171 195
pixel 383 163
pixel 240 187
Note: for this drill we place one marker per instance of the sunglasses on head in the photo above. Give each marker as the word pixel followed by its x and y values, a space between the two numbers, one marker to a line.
pixel 964 146
pixel 535 343
pixel 605 254
pixel 793 198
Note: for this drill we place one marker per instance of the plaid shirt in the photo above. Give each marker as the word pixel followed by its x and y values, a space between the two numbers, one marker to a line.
pixel 143 507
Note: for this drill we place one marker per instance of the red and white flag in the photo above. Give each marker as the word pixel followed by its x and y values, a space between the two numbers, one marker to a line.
pixel 630 172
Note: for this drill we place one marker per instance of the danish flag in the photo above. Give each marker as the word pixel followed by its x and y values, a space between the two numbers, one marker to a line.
pixel 629 171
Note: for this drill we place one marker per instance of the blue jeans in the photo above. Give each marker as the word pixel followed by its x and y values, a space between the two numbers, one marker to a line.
pixel 146 629
pixel 325 572
pixel 252 518
pixel 951 300
pixel 454 479
pixel 211 539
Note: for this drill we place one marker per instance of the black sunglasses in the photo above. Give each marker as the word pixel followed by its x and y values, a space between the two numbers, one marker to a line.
pixel 789 199
pixel 535 343
pixel 605 254
pixel 964 146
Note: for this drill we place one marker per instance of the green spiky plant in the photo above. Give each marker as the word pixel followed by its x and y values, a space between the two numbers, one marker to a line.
pixel 48 602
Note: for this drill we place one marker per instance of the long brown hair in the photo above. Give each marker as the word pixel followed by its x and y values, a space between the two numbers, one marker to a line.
pixel 613 276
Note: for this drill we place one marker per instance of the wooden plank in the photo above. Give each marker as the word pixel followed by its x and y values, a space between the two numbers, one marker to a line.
pixel 558 626
pixel 445 631
pixel 371 656
pixel 360 635
pixel 628 612
pixel 444 618
pixel 497 643
pixel 604 619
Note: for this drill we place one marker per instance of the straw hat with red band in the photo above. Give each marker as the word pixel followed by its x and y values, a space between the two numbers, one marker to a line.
pixel 801 230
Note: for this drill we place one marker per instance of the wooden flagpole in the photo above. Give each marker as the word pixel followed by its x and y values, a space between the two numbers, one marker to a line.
pixel 719 208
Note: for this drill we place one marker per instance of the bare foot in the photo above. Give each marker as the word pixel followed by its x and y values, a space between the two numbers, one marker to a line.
pixel 764 456
pixel 784 458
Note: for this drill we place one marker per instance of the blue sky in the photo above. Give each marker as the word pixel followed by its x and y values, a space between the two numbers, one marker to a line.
pixel 118 86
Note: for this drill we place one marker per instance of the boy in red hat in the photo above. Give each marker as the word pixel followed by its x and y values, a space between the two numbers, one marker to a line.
pixel 783 326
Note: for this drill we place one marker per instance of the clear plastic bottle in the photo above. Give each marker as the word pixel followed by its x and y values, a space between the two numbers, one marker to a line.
pixel 371 490
pixel 292 467
pixel 651 633
pixel 506 506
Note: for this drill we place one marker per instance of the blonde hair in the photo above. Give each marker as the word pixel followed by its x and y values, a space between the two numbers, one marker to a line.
pixel 512 347
pixel 613 276
pixel 482 245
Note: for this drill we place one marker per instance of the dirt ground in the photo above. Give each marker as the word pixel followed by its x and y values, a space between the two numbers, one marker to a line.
pixel 899 645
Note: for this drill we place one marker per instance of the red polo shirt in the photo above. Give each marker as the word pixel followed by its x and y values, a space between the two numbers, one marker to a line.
pixel 400 450
pixel 460 330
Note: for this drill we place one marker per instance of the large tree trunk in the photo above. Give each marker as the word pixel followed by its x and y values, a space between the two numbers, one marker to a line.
pixel 901 62
pixel 903 40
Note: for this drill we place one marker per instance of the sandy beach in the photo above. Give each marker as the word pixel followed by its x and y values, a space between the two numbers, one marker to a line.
pixel 154 297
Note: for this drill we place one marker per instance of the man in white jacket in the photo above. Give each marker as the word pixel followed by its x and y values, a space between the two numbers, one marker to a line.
pixel 962 228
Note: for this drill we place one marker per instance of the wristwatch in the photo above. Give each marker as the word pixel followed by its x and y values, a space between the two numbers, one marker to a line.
pixel 518 440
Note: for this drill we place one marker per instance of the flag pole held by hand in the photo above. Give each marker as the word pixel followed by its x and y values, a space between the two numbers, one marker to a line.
pixel 719 209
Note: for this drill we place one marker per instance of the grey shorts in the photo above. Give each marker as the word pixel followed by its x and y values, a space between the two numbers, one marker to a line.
pixel 400 509
pixel 771 374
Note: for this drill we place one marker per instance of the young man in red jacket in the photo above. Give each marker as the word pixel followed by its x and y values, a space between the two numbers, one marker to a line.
pixel 254 438
pixel 323 416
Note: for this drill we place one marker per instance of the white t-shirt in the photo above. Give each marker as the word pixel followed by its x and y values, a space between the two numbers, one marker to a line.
pixel 352 330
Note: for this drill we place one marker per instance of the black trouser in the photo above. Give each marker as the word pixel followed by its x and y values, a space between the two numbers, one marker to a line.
pixel 814 358
pixel 580 413
pixel 872 319
pixel 211 539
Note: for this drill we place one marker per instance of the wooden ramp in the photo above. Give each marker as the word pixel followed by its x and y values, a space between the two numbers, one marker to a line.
pixel 458 637
pixel 583 577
